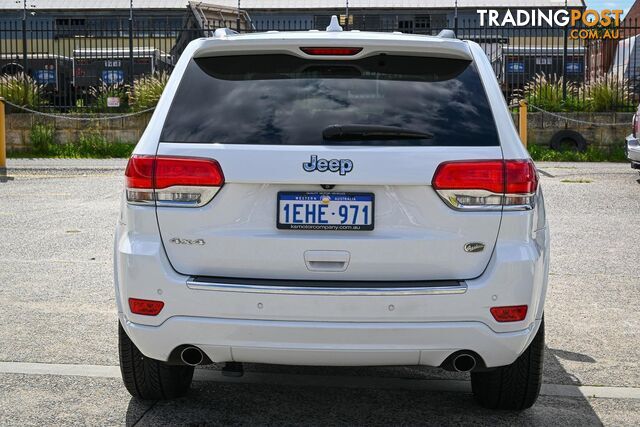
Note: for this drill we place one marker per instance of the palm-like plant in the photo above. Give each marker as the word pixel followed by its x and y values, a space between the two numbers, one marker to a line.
pixel 606 93
pixel 146 90
pixel 101 93
pixel 546 91
pixel 21 90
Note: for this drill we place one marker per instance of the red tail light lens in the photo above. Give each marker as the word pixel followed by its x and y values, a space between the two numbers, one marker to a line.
pixel 487 184
pixel 465 175
pixel 331 51
pixel 512 313
pixel 172 181
pixel 521 177
pixel 172 171
pixel 139 172
pixel 145 307
pixel 636 126
pixel 139 178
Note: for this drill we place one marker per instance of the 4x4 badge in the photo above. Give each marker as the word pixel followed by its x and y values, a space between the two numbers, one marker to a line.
pixel 474 247
pixel 344 166
pixel 180 241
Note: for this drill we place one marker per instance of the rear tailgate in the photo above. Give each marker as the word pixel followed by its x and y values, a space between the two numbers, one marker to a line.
pixel 261 117
pixel 416 236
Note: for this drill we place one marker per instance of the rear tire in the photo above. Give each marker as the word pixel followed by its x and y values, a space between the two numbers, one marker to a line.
pixel 514 386
pixel 150 379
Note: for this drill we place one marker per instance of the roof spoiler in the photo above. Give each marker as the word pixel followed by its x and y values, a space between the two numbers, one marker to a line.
pixel 446 45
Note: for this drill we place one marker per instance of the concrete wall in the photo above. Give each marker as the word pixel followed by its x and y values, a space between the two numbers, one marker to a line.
pixel 541 128
pixel 18 128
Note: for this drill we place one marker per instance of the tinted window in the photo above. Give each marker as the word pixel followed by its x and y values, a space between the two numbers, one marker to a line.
pixel 283 99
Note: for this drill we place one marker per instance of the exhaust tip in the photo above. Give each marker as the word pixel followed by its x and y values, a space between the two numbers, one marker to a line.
pixel 464 362
pixel 192 356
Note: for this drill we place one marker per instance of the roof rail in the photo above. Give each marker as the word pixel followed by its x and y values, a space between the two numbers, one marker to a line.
pixel 447 34
pixel 224 32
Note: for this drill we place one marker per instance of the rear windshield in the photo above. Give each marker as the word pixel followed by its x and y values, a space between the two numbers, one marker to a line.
pixel 286 100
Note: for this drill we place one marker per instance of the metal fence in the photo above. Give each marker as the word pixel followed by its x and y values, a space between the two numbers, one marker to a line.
pixel 562 69
pixel 71 65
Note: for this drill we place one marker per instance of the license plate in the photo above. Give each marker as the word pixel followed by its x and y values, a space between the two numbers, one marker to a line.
pixel 325 211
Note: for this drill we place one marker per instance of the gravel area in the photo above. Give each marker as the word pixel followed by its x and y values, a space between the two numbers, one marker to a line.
pixel 57 218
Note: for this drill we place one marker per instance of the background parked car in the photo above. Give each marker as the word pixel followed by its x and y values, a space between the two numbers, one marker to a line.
pixel 632 147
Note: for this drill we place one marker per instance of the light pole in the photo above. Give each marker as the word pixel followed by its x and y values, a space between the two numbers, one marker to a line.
pixel 238 18
pixel 346 22
pixel 24 35
pixel 24 38
pixel 131 42
pixel 564 58
pixel 455 18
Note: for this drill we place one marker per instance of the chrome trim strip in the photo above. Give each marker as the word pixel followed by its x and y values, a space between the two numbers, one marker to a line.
pixel 450 199
pixel 206 195
pixel 293 290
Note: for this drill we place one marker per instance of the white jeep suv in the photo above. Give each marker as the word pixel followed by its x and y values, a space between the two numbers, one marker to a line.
pixel 332 198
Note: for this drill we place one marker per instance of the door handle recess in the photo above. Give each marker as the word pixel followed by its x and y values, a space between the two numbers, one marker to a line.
pixel 327 260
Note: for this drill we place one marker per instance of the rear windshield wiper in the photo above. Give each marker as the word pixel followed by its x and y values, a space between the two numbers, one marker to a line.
pixel 370 132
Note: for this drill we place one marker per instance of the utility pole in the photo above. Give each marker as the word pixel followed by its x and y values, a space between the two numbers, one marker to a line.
pixel 131 42
pixel 455 18
pixel 238 18
pixel 346 22
pixel 564 58
pixel 24 39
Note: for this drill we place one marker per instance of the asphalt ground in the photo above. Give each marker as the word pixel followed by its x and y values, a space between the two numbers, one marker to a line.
pixel 58 348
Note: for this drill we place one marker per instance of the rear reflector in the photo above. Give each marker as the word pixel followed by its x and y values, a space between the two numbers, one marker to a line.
pixel 512 313
pixel 172 181
pixel 331 51
pixel 487 184
pixel 145 307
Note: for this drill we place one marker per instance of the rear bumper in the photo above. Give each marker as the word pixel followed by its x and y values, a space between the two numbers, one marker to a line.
pixel 390 328
pixel 633 151
pixel 329 343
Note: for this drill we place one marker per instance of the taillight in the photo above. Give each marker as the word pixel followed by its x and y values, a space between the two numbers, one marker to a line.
pixel 636 126
pixel 172 181
pixel 145 307
pixel 139 174
pixel 331 51
pixel 512 313
pixel 487 184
